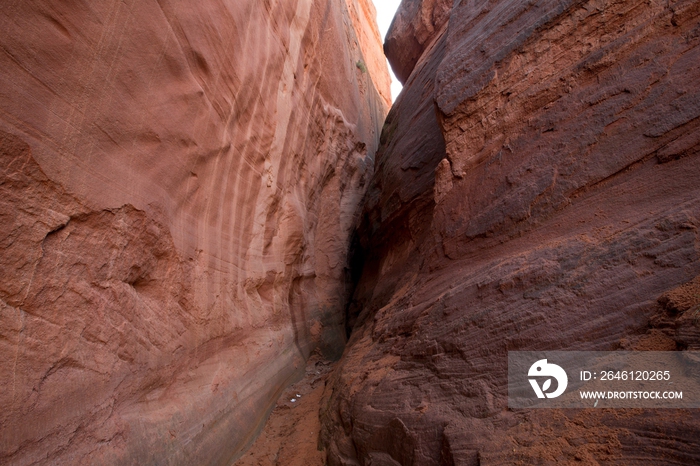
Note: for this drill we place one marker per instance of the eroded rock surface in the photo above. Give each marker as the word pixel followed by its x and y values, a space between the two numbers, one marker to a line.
pixel 548 199
pixel 416 22
pixel 178 185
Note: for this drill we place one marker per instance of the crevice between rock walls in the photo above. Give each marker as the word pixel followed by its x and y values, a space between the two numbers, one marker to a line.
pixel 397 210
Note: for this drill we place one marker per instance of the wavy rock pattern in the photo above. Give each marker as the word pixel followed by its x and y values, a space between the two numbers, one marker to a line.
pixel 179 182
pixel 547 199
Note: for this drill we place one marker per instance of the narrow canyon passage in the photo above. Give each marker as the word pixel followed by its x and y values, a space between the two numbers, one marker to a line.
pixel 221 243
pixel 291 434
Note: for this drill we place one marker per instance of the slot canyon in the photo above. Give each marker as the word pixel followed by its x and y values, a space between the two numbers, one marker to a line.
pixel 222 243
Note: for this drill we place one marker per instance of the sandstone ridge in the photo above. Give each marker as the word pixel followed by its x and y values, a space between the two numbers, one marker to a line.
pixel 535 189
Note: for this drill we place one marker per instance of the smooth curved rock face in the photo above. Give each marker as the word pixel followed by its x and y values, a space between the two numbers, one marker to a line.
pixel 178 185
pixel 561 211
pixel 415 25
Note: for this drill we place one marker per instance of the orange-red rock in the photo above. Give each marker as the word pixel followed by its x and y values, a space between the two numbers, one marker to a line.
pixel 536 189
pixel 178 186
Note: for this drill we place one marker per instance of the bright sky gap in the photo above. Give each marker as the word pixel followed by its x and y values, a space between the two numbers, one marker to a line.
pixel 386 9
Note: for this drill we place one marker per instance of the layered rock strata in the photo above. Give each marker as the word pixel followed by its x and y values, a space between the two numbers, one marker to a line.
pixel 178 186
pixel 536 189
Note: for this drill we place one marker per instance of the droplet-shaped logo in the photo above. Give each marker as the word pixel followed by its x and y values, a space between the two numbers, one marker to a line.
pixel 543 369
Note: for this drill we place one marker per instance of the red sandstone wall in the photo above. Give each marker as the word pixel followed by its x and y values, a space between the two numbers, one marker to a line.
pixel 536 188
pixel 178 185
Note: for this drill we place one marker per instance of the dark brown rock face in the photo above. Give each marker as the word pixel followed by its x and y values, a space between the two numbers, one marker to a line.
pixel 415 24
pixel 178 186
pixel 536 188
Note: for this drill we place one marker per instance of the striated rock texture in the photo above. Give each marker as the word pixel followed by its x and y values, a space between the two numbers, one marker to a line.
pixel 363 18
pixel 178 185
pixel 536 188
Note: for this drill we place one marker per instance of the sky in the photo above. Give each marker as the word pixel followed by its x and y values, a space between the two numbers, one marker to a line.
pixel 385 13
